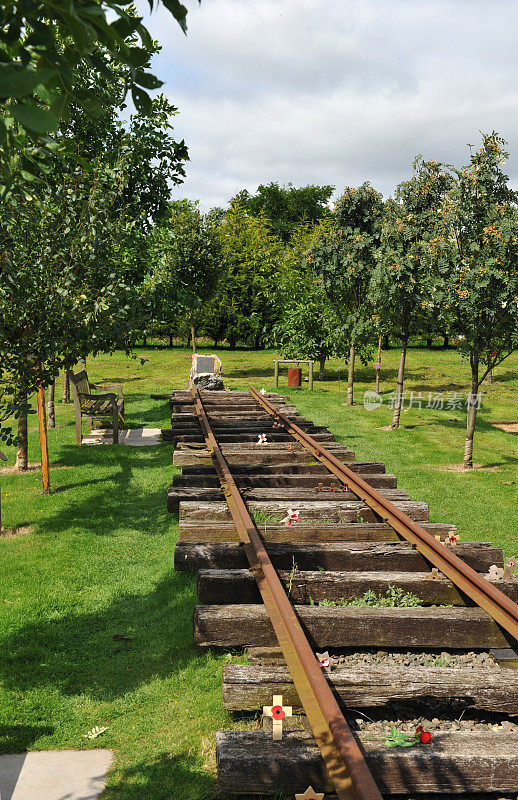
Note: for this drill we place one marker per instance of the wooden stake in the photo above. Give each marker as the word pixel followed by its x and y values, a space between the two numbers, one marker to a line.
pixel 3 459
pixel 42 422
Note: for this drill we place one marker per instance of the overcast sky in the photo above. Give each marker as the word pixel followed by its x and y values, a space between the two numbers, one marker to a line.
pixel 331 92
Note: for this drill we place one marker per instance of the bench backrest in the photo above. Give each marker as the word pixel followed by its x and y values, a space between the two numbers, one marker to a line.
pixel 80 384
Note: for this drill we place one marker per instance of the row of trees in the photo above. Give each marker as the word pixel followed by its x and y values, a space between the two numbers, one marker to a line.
pixel 440 256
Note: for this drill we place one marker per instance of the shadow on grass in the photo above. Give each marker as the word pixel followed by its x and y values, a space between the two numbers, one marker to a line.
pixel 168 777
pixel 163 778
pixel 18 738
pixel 77 653
pixel 120 501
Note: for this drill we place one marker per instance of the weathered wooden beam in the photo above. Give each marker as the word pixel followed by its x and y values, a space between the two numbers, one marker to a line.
pixel 254 455
pixel 251 436
pixel 237 414
pixel 282 496
pixel 250 687
pixel 454 763
pixel 287 468
pixel 203 531
pixel 270 481
pixel 245 625
pixel 239 586
pixel 230 425
pixel 341 557
pixel 330 510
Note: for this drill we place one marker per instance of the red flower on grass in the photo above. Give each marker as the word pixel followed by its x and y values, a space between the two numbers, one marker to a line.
pixel 278 712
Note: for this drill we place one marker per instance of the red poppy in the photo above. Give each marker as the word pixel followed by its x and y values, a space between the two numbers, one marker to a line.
pixel 419 729
pixel 425 737
pixel 278 712
pixel 345 488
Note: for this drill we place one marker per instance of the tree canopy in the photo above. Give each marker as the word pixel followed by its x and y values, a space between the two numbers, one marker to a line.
pixel 285 207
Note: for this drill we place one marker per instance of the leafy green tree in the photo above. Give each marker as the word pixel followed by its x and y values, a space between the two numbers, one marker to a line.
pixel 56 59
pixel 343 259
pixel 185 252
pixel 474 253
pixel 60 295
pixel 245 304
pixel 285 207
pixel 42 44
pixel 308 326
pixel 403 280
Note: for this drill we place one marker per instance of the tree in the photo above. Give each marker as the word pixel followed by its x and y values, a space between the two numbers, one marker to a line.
pixel 343 260
pixel 245 304
pixel 42 45
pixel 57 58
pixel 60 296
pixel 285 207
pixel 308 326
pixel 185 253
pixel 402 281
pixel 474 253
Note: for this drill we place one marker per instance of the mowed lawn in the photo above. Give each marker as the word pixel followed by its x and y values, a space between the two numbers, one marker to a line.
pixel 95 626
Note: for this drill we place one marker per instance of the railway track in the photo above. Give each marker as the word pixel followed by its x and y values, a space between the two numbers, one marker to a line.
pixel 276 589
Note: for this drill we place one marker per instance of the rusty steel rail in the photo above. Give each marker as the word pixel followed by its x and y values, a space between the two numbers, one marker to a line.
pixel 500 607
pixel 343 758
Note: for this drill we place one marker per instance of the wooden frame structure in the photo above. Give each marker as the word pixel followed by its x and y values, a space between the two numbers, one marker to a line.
pixel 297 361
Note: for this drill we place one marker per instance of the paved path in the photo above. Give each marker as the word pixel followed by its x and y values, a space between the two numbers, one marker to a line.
pixel 134 437
pixel 54 775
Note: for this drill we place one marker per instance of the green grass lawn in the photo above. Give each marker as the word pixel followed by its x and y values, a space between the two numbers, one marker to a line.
pixel 95 626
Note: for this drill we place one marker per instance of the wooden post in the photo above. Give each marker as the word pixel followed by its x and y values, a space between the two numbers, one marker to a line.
pixel 276 374
pixel 310 386
pixel 378 368
pixel 3 459
pixel 42 422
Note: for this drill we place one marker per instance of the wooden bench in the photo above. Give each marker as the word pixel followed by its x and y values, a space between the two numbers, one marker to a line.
pixel 101 406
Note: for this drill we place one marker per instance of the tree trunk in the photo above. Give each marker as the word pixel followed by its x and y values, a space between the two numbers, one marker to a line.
pixel 170 340
pixel 378 381
pixel 446 342
pixel 350 377
pixel 386 343
pixel 193 339
pixel 22 451
pixel 44 447
pixel 400 379
pixel 144 341
pixel 429 343
pixel 471 414
pixel 232 343
pixel 66 387
pixel 321 366
pixel 51 409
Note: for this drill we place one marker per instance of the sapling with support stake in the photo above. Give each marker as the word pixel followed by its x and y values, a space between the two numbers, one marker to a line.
pixel 474 256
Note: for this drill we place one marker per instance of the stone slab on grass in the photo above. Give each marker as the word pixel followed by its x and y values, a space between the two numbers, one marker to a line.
pixel 134 437
pixel 54 775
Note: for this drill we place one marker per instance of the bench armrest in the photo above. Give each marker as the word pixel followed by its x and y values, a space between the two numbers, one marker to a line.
pixel 107 396
pixel 116 386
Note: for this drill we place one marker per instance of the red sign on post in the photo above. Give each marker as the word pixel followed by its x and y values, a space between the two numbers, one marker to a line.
pixel 377 365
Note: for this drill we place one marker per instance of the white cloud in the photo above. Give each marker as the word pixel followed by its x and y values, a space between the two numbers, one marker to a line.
pixel 335 92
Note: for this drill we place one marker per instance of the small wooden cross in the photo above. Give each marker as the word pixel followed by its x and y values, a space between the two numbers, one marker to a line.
pixel 277 712
pixel 310 794
pixel 433 575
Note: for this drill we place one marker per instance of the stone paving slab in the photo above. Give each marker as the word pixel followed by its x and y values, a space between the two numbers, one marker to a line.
pixel 133 437
pixel 54 775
